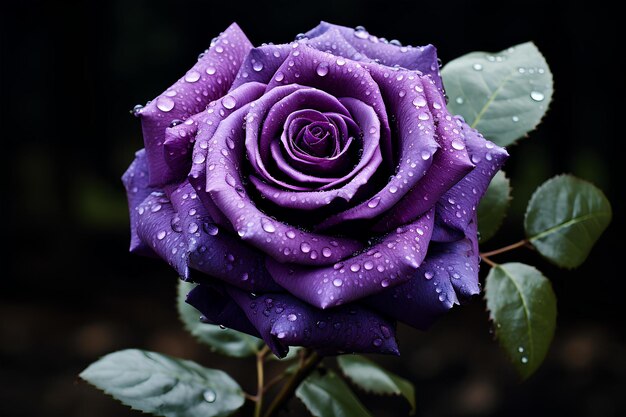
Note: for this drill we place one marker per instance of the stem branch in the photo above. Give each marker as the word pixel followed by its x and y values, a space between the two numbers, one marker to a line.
pixel 258 398
pixel 290 387
pixel 516 245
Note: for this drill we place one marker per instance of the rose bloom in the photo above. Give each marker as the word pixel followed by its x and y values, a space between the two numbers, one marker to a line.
pixel 317 191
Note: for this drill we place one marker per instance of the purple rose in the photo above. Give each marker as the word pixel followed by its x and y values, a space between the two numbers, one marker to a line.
pixel 318 191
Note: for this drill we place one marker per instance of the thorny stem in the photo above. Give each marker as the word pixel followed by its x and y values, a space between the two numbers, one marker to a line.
pixel 290 387
pixel 258 398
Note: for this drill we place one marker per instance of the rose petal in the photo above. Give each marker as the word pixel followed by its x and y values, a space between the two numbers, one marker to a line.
pixel 449 272
pixel 207 80
pixel 456 208
pixel 261 63
pixel 422 58
pixel 214 251
pixel 284 321
pixel 203 141
pixel 391 262
pixel 135 181
pixel 225 185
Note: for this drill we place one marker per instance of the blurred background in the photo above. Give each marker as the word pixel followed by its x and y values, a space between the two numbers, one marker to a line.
pixel 70 292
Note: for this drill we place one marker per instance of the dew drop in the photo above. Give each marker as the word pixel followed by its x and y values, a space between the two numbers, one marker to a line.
pixel 267 225
pixel 341 61
pixel 193 227
pixel 337 282
pixel 279 76
pixel 524 359
pixel 161 235
pixel 425 155
pixel 199 158
pixel 219 49
pixel 428 275
pixel 322 69
pixel 292 317
pixel 210 229
pixel 305 247
pixel 537 96
pixel 326 252
pixel 515 119
pixel 165 104
pixel 230 180
pixel 192 76
pixel 419 101
pixel 477 67
pixel 423 116
pixel 257 66
pixel 209 396
pixel 368 265
pixel 373 203
pixel 384 283
pixel 458 145
pixel 245 276
pixel 459 100
pixel 211 70
pixel 290 234
pixel 355 267
pixel 520 349
pixel 229 102
pixel 393 189
pixel 377 342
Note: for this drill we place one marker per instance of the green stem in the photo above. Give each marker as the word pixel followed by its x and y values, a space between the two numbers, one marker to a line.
pixel 287 391
pixel 258 406
pixel 516 245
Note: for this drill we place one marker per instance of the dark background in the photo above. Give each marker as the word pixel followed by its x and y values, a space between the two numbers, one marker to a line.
pixel 70 292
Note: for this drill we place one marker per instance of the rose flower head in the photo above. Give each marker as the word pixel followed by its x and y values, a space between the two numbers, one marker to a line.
pixel 317 191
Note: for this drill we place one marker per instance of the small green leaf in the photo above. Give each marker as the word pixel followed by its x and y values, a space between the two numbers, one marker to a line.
pixel 375 379
pixel 329 396
pixel 503 95
pixel 564 219
pixel 223 341
pixel 522 306
pixel 165 386
pixel 493 206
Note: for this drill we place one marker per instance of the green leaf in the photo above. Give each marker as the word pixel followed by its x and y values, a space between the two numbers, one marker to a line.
pixel 163 385
pixel 522 305
pixel 329 396
pixel 493 206
pixel 503 95
pixel 564 219
pixel 223 341
pixel 375 379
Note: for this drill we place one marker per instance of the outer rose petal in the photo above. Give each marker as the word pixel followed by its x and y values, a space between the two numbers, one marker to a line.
pixel 388 263
pixel 213 250
pixel 135 181
pixel 449 270
pixel 207 80
pixel 261 63
pixel 423 58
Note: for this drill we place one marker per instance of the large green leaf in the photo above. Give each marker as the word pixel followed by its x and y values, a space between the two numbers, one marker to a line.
pixel 327 395
pixel 565 217
pixel 522 306
pixel 375 379
pixel 165 386
pixel 503 95
pixel 223 341
pixel 493 206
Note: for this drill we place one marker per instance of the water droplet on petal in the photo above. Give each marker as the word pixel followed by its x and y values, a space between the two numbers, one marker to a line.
pixel 425 155
pixel 373 203
pixel 229 102
pixel 368 265
pixel 199 158
pixel 267 225
pixel 419 101
pixel 257 66
pixel 211 70
pixel 305 247
pixel 384 283
pixel 322 69
pixel 393 189
pixel 537 96
pixel 290 234
pixel 326 252
pixel 165 104
pixel 337 282
pixel 458 145
pixel 279 76
pixel 428 275
pixel 193 227
pixel 161 235
pixel 423 116
pixel 192 76
pixel 292 317
pixel 341 61
pixel 377 342
pixel 355 267
pixel 210 229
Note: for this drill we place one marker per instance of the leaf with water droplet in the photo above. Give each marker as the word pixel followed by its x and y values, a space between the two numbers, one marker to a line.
pixel 328 395
pixel 223 341
pixel 564 219
pixel 522 306
pixel 163 385
pixel 374 379
pixel 493 206
pixel 503 95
